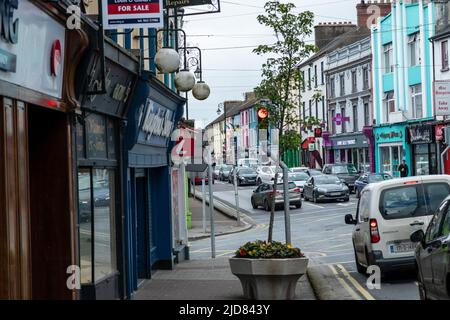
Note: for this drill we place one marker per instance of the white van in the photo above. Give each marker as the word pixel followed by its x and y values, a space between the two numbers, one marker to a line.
pixel 388 213
pixel 248 162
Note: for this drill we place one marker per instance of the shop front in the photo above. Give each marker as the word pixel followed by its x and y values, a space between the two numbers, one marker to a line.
pixel 99 181
pixel 37 207
pixel 151 183
pixel 424 156
pixel 350 148
pixel 391 148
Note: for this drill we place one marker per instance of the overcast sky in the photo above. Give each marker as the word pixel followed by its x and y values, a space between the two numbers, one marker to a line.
pixel 233 71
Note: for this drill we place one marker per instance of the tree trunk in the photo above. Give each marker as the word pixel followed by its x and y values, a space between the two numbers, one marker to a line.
pixel 272 206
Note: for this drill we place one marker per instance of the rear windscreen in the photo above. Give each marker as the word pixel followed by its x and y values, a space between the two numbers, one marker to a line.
pixel 412 200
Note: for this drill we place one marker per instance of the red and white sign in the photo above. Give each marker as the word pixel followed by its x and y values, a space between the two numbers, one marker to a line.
pixel 118 14
pixel 442 98
pixel 56 59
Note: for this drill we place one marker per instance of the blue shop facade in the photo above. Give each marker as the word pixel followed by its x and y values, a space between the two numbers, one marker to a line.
pixel 149 205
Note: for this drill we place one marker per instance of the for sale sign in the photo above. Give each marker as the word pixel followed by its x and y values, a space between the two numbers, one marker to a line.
pixel 121 14
pixel 442 98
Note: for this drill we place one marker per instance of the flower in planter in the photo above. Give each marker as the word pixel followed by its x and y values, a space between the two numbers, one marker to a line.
pixel 272 250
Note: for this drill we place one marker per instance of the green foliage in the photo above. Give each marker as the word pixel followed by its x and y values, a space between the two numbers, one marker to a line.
pixel 281 79
pixel 268 250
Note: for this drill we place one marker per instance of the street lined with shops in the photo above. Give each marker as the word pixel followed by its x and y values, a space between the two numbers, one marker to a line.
pixel 321 233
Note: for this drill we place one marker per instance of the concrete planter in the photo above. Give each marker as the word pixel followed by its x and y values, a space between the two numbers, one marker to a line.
pixel 269 279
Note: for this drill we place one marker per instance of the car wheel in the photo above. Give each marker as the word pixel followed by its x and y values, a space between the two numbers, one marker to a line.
pixel 298 205
pixel 266 205
pixel 254 206
pixel 347 199
pixel 361 269
pixel 305 197
pixel 421 287
pixel 314 197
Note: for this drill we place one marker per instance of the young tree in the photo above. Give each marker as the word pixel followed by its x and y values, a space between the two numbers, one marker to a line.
pixel 281 79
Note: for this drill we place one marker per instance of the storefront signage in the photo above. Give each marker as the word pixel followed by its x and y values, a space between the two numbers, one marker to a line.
pixel 119 14
pixel 339 119
pixel 390 135
pixel 442 98
pixel 421 134
pixel 56 58
pixel 9 27
pixel 185 3
pixel 156 121
pixel 346 142
pixel 27 35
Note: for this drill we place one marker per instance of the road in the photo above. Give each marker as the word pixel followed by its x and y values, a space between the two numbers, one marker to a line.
pixel 319 230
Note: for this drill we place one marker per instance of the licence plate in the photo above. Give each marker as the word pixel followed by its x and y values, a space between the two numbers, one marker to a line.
pixel 402 247
pixel 335 193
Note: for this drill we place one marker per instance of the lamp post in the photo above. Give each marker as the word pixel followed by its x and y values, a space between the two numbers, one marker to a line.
pixel 201 90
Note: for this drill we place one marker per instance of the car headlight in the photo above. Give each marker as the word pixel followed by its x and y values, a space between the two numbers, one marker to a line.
pixel 320 190
pixel 345 187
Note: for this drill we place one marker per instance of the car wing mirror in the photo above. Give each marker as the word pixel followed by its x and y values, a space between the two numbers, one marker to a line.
pixel 418 236
pixel 349 219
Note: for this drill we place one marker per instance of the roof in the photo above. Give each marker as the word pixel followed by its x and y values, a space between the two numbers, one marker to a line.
pixel 341 41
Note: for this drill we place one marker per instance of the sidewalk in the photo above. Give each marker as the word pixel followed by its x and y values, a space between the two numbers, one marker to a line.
pixel 203 280
pixel 224 224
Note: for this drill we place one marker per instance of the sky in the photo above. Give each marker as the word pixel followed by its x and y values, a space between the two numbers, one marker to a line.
pixel 231 71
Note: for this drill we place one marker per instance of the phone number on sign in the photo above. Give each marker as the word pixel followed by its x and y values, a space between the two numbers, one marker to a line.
pixel 227 310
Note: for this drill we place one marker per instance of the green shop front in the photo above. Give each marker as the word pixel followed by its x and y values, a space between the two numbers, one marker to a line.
pixel 391 148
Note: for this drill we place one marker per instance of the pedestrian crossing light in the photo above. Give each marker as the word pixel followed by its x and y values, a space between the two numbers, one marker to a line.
pixel 318 132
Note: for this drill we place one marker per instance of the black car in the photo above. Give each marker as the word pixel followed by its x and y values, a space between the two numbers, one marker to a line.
pixel 369 178
pixel 246 175
pixel 325 187
pixel 433 255
pixel 346 172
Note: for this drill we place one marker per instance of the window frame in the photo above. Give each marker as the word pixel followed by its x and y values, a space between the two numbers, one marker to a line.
pixel 414 98
pixel 388 56
pixel 444 56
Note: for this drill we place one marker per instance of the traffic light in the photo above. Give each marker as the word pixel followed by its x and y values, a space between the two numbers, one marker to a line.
pixel 318 132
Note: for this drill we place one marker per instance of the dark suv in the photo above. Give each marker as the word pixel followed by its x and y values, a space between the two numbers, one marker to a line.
pixel 346 172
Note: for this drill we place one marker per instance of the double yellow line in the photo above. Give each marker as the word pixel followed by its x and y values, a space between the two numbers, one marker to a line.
pixel 357 292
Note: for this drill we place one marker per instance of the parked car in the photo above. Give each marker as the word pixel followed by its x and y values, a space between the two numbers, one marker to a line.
pixel 248 162
pixel 432 255
pixel 368 178
pixel 266 174
pixel 299 178
pixel 246 175
pixel 262 196
pixel 224 172
pixel 388 213
pixel 308 171
pixel 231 175
pixel 325 187
pixel 346 172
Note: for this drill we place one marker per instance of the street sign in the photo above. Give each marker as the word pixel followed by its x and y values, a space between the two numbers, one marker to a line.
pixel 118 14
pixel 311 147
pixel 186 3
pixel 442 98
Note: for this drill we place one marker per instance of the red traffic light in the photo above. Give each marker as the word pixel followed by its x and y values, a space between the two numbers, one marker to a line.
pixel 263 113
pixel 318 132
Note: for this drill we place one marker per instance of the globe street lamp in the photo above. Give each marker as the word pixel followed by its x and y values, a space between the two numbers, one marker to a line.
pixel 201 90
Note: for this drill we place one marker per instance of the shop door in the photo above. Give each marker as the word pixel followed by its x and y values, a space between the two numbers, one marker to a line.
pixel 142 228
pixel 50 203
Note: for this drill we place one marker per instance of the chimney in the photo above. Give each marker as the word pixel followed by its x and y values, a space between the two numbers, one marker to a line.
pixel 324 32
pixel 250 96
pixel 366 10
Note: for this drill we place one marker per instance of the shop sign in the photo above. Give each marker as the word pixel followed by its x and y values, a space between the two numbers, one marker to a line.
pixel 118 14
pixel 442 98
pixel 421 134
pixel 346 142
pixel 185 3
pixel 390 135
pixel 26 54
pixel 156 121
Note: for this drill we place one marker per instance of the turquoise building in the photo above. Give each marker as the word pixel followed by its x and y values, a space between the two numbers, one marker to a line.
pixel 402 70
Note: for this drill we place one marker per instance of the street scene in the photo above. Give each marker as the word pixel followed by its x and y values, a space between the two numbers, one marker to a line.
pixel 207 150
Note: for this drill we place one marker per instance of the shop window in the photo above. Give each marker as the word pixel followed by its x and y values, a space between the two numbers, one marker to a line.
pixel 81 152
pixel 416 101
pixel 425 159
pixel 97 224
pixel 390 159
pixel 97 138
